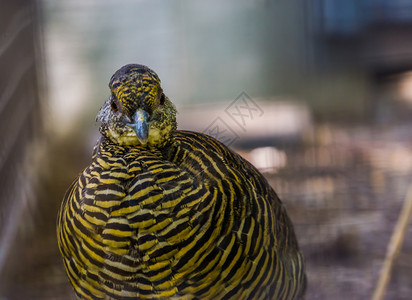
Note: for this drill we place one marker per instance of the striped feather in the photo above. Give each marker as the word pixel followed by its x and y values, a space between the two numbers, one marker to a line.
pixel 192 220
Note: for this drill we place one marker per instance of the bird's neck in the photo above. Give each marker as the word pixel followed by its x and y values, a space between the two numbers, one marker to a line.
pixel 106 147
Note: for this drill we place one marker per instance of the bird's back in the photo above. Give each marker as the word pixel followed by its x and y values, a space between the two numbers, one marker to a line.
pixel 192 220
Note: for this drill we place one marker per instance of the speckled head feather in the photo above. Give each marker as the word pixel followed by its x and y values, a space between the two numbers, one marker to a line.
pixel 137 112
pixel 132 80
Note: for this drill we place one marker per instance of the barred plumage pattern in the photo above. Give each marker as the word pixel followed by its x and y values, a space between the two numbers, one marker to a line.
pixel 190 220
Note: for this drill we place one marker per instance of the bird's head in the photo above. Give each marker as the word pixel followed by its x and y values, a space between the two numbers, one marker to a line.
pixel 137 111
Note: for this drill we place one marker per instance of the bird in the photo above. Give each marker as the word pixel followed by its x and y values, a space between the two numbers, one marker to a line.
pixel 162 213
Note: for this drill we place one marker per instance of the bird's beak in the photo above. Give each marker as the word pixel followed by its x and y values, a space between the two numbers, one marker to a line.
pixel 140 125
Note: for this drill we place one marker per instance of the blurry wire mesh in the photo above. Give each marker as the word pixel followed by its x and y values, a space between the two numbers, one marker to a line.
pixel 25 243
pixel 343 184
pixel 20 119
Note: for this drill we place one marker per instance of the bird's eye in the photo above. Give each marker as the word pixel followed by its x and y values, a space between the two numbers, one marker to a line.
pixel 162 99
pixel 113 105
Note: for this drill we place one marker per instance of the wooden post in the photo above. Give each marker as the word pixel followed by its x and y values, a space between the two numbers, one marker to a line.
pixel 394 247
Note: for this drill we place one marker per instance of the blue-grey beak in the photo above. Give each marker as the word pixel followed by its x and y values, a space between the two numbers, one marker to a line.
pixel 141 125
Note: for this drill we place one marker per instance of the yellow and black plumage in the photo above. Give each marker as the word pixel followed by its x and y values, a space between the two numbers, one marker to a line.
pixel 162 213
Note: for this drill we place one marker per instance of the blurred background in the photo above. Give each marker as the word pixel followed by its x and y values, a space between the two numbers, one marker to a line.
pixel 317 94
